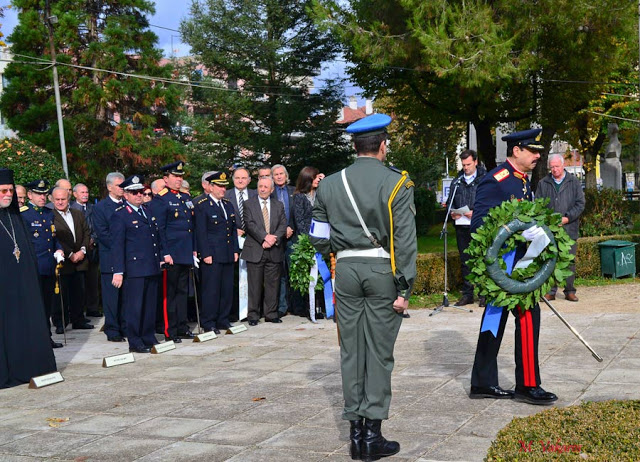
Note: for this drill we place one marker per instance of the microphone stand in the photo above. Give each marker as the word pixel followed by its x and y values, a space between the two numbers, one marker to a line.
pixel 444 233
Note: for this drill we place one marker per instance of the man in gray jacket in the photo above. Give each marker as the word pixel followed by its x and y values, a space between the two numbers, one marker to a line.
pixel 566 198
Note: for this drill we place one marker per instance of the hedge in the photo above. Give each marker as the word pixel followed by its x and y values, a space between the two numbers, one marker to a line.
pixel 430 266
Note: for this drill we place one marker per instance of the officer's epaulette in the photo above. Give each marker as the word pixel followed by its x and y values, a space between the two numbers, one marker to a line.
pixel 163 191
pixel 501 174
pixel 397 170
pixel 24 208
pixel 119 208
pixel 202 200
pixel 225 199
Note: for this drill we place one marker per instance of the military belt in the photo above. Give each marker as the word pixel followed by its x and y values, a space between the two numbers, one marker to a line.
pixel 372 253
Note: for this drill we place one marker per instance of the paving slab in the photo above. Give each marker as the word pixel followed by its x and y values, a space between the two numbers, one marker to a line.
pixel 273 393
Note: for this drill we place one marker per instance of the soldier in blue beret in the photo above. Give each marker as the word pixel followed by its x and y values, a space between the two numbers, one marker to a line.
pixel 508 181
pixel 217 244
pixel 172 212
pixel 375 269
pixel 39 222
pixel 136 264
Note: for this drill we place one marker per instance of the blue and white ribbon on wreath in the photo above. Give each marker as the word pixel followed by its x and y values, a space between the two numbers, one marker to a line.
pixel 325 274
pixel 492 313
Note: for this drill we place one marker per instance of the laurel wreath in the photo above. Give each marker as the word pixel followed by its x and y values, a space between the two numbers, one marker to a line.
pixel 500 234
pixel 303 258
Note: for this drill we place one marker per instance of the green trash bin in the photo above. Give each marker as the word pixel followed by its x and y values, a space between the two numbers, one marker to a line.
pixel 618 258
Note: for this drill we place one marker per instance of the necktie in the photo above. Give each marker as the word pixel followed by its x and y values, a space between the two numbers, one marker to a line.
pixel 141 212
pixel 224 212
pixel 265 216
pixel 241 209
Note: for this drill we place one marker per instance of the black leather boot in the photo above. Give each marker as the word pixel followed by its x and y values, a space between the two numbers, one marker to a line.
pixel 374 445
pixel 356 439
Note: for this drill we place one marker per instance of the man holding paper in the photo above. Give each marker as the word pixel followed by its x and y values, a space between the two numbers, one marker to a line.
pixel 462 211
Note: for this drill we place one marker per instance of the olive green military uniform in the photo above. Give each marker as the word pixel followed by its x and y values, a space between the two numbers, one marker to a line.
pixel 366 286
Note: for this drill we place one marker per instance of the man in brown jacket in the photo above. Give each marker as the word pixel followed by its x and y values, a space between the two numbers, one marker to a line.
pixel 74 236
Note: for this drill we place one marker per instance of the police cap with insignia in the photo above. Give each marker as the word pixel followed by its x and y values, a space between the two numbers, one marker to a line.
pixel 530 139
pixel 177 168
pixel 372 125
pixel 219 178
pixel 133 183
pixel 38 186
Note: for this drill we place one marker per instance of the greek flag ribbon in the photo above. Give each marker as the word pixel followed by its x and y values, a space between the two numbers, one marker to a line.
pixel 325 274
pixel 492 313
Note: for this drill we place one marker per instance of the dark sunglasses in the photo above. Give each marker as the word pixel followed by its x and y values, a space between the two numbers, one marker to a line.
pixel 135 192
pixel 149 194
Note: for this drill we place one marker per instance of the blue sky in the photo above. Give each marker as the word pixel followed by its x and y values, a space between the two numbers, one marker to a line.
pixel 168 15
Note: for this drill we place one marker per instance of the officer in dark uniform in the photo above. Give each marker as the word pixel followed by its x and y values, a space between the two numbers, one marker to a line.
pixel 505 182
pixel 375 270
pixel 172 212
pixel 217 244
pixel 39 221
pixel 136 264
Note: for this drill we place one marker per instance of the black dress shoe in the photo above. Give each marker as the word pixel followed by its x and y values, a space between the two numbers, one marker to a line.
pixel 187 335
pixel 55 344
pixel 534 395
pixel 142 349
pixel 216 331
pixel 482 302
pixel 253 323
pixel 84 325
pixel 115 338
pixel 94 314
pixel 174 339
pixel 374 445
pixel 464 300
pixel 494 392
pixel 274 320
pixel 405 315
pixel 59 330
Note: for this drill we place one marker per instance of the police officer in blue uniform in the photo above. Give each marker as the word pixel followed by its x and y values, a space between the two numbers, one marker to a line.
pixel 217 244
pixel 136 264
pixel 39 221
pixel 506 182
pixel 172 212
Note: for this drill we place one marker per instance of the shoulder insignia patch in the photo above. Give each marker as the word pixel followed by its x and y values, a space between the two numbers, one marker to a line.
pixel 163 191
pixel 501 175
pixel 225 199
pixel 409 184
pixel 24 208
pixel 119 208
pixel 204 199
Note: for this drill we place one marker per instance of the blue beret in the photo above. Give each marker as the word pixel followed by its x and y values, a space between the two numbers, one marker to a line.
pixel 39 186
pixel 132 183
pixel 371 125
pixel 527 139
pixel 176 168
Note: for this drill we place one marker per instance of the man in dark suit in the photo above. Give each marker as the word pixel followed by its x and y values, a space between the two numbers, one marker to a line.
pixel 73 235
pixel 284 193
pixel 114 321
pixel 217 244
pixel 136 265
pixel 266 226
pixel 92 276
pixel 237 196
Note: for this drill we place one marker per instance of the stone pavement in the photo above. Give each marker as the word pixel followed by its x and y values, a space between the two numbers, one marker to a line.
pixel 273 393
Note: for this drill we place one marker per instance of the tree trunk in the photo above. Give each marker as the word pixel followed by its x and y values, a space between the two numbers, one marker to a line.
pixel 486 146
pixel 542 169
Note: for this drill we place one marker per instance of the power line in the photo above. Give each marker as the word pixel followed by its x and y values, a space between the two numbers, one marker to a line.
pixel 615 117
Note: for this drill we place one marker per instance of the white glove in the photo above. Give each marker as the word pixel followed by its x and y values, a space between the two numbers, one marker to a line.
pixel 533 232
pixel 196 260
pixel 59 256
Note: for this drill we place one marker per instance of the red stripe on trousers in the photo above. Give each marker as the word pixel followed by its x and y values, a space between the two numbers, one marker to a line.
pixel 526 347
pixel 164 303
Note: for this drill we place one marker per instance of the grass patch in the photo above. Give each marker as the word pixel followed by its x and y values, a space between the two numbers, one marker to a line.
pixel 602 431
pixel 431 242
pixel 430 301
pixel 598 281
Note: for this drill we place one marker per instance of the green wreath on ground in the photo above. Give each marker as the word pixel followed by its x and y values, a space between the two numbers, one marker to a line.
pixel 500 234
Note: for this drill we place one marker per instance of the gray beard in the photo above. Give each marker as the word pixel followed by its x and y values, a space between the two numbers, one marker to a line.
pixel 2 206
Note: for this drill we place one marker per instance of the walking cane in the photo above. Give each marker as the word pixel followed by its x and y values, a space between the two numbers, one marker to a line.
pixel 575 332
pixel 195 293
pixel 58 291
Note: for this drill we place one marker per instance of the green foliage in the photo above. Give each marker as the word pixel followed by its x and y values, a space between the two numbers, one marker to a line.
pixel 484 237
pixel 303 258
pixel 29 162
pixel 425 201
pixel 605 213
pixel 606 430
pixel 269 51
pixel 112 35
pixel 588 253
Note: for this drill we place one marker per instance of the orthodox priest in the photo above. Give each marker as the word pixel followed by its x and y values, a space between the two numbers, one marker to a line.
pixel 25 349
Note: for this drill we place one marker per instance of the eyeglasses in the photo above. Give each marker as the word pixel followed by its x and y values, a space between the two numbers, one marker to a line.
pixel 148 194
pixel 6 191
pixel 135 192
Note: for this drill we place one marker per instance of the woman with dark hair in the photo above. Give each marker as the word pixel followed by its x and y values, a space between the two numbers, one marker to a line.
pixel 147 194
pixel 303 198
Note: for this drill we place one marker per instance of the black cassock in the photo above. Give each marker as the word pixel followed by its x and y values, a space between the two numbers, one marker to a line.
pixel 25 348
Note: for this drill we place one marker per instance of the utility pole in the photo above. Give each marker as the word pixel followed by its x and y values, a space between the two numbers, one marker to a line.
pixel 56 88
